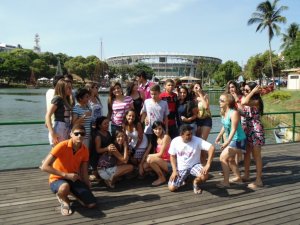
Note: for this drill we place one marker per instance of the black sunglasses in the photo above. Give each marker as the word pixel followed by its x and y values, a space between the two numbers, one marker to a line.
pixel 82 134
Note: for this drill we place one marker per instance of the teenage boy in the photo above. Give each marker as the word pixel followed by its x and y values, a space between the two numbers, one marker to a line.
pixel 67 164
pixel 171 98
pixel 185 153
pixel 155 109
pixel 144 84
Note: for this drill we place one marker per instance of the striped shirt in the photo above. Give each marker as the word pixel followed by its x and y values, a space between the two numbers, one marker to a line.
pixel 119 109
pixel 87 123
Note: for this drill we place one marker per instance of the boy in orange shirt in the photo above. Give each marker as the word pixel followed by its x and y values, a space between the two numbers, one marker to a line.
pixel 67 164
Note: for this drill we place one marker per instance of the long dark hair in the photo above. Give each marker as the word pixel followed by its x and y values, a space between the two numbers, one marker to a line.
pixel 136 119
pixel 111 96
pixel 156 124
pixel 257 97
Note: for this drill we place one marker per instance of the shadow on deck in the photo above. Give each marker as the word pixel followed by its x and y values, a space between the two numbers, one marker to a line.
pixel 27 199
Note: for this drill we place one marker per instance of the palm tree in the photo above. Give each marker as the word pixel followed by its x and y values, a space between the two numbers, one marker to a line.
pixel 268 16
pixel 290 36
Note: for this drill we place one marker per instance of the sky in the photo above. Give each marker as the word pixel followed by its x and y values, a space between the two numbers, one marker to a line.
pixel 215 28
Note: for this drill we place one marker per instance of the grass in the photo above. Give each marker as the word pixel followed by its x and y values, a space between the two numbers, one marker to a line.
pixel 290 104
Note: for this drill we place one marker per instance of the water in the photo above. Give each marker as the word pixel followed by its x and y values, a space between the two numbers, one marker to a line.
pixel 29 105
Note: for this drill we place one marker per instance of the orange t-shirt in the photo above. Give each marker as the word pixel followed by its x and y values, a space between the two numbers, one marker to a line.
pixel 66 161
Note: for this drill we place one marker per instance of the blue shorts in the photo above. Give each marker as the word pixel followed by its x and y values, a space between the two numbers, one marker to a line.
pixel 183 174
pixel 207 122
pixel 79 189
pixel 241 145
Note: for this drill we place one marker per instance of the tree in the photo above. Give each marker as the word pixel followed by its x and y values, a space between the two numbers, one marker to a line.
pixel 290 36
pixel 292 54
pixel 268 16
pixel 227 71
pixel 257 66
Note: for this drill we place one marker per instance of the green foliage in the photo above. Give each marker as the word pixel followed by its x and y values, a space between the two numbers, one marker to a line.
pixel 227 71
pixel 267 16
pixel 259 64
pixel 292 54
pixel 281 95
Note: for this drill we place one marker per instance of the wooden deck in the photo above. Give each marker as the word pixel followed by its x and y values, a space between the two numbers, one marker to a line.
pixel 25 198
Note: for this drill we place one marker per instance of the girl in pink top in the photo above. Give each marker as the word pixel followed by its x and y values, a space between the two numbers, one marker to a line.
pixel 159 162
pixel 118 105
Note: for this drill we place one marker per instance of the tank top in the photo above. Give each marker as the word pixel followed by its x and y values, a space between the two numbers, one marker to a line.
pixel 166 155
pixel 203 113
pixel 239 135
pixel 132 137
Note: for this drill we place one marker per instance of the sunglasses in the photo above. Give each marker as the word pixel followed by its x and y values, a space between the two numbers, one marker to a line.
pixel 221 100
pixel 82 134
pixel 247 90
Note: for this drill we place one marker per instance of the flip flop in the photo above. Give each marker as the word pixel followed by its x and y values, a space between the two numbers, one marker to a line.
pixel 254 186
pixel 236 180
pixel 65 209
pixel 197 189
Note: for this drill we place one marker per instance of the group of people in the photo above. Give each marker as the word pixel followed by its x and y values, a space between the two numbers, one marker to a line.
pixel 147 131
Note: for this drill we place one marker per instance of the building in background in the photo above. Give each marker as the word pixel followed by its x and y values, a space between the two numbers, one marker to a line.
pixel 6 48
pixel 165 65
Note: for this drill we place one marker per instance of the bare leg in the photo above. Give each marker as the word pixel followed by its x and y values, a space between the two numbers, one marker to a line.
pixel 158 165
pixel 62 194
pixel 258 160
pixel 204 135
pixel 224 159
pixel 235 169
pixel 247 160
pixel 121 170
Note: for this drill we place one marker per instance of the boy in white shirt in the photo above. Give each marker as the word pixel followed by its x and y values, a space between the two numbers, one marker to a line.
pixel 185 151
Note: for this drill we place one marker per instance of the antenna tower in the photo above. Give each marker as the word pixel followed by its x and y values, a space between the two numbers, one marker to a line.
pixel 37 47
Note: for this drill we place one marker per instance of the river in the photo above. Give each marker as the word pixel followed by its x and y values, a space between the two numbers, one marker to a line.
pixel 29 105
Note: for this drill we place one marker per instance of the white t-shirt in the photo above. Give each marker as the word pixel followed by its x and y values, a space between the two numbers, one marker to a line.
pixel 155 111
pixel 188 154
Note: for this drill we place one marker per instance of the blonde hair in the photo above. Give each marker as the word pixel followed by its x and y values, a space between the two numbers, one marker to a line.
pixel 61 90
pixel 230 101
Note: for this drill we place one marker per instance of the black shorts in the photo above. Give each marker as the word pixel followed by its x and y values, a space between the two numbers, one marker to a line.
pixel 207 122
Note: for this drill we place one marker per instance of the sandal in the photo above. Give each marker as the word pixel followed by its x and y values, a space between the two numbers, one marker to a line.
pixel 65 209
pixel 197 189
pixel 236 180
pixel 254 186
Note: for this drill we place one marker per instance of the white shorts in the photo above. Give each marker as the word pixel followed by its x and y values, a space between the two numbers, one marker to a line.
pixel 107 173
pixel 62 129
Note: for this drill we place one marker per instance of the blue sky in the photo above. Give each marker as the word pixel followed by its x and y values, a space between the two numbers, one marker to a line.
pixel 216 28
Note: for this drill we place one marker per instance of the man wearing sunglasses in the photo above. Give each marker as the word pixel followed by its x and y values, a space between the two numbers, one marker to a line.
pixel 67 164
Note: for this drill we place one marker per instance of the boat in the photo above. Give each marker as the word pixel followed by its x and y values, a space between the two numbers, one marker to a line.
pixel 280 134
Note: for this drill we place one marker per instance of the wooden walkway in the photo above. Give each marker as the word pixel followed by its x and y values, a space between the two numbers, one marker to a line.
pixel 25 198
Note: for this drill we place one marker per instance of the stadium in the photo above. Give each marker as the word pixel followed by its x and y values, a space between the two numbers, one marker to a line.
pixel 165 65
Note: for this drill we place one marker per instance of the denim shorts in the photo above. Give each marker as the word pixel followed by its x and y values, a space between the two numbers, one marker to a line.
pixel 107 173
pixel 79 189
pixel 241 145
pixel 207 122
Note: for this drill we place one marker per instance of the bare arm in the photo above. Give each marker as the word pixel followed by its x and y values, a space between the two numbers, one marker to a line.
pixel 246 100
pixel 235 118
pixel 165 143
pixel 47 167
pixel 211 152
pixel 84 173
pixel 173 161
pixel 49 113
pixel 140 131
